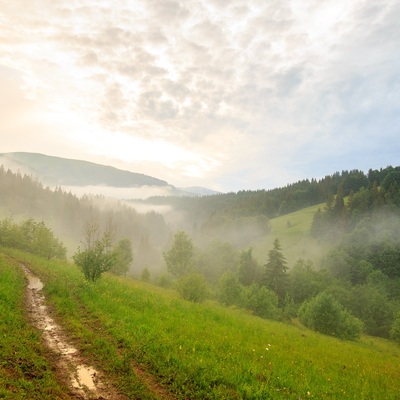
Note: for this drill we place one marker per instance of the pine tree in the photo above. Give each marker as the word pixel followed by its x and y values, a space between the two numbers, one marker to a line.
pixel 276 277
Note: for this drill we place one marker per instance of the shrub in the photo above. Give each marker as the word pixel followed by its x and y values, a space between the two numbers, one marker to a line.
pixel 97 255
pixel 395 331
pixel 193 287
pixel 164 280
pixel 229 289
pixel 262 301
pixel 351 327
pixel 33 237
pixel 324 314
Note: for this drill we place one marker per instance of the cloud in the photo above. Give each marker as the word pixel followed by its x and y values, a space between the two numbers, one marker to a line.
pixel 254 93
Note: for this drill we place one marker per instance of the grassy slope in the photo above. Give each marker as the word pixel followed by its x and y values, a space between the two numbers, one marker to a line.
pixel 293 232
pixel 209 352
pixel 25 372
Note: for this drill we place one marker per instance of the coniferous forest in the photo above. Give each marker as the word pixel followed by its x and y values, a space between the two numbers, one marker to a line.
pixel 203 246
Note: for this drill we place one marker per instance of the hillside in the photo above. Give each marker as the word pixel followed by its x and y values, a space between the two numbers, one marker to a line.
pixel 153 345
pixel 57 171
pixel 293 230
pixel 83 177
pixel 332 267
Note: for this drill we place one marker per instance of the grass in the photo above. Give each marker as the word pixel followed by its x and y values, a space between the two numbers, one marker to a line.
pixel 293 231
pixel 206 351
pixel 25 372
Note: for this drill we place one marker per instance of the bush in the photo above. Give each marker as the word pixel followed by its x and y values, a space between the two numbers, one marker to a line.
pixel 351 327
pixel 193 287
pixel 164 281
pixel 145 275
pixel 395 331
pixel 229 289
pixel 324 314
pixel 97 255
pixel 33 237
pixel 262 301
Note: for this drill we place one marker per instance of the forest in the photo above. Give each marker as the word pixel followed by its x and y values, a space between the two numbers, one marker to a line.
pixel 202 246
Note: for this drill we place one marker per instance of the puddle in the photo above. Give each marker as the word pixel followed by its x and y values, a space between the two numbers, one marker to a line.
pixel 83 379
pixel 34 282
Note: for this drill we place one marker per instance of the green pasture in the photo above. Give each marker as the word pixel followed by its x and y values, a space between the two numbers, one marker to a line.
pixel 293 232
pixel 206 351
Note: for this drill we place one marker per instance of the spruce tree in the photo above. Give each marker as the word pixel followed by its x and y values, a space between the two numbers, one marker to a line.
pixel 276 277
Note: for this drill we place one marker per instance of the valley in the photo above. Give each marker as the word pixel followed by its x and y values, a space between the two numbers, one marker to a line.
pixel 219 296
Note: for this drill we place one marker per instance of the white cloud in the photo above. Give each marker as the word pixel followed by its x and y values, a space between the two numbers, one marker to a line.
pixel 206 92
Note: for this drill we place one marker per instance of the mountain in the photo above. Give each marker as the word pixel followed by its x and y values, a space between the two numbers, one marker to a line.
pixel 82 177
pixel 198 191
pixel 57 171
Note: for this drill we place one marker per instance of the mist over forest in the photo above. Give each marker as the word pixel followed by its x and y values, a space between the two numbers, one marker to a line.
pixel 230 243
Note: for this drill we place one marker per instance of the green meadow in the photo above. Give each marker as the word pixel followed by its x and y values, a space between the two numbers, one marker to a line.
pixel 293 231
pixel 25 368
pixel 152 344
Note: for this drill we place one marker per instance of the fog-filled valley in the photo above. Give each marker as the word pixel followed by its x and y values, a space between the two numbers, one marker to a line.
pixel 295 254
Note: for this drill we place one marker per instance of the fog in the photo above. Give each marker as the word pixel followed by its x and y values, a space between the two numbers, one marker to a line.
pixel 122 193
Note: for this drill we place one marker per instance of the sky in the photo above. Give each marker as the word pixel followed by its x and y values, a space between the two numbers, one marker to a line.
pixel 230 95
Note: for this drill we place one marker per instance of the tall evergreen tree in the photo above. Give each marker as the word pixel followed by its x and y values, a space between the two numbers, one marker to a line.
pixel 276 277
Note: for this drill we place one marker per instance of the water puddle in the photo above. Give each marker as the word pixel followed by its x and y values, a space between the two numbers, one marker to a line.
pixel 83 379
pixel 84 376
pixel 34 282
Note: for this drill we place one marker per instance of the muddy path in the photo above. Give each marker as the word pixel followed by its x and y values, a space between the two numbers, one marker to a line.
pixel 84 381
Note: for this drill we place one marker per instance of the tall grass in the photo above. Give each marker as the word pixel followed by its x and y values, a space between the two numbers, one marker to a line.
pixel 25 372
pixel 205 351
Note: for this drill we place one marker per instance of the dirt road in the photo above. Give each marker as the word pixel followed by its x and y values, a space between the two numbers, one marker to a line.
pixel 84 381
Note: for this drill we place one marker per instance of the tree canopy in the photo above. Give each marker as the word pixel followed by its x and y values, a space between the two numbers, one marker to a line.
pixel 179 258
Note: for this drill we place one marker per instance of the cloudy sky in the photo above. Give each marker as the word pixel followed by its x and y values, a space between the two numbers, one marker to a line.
pixel 240 94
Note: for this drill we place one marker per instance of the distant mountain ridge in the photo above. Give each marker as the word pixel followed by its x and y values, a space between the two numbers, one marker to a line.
pixel 63 171
pixel 84 176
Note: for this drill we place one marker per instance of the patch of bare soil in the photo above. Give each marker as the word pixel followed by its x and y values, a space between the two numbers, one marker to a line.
pixel 84 381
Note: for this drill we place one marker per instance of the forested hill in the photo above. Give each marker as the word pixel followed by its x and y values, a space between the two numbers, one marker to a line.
pixel 279 201
pixel 56 171
pixel 23 197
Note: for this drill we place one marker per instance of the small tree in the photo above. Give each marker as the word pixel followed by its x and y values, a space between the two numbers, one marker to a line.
pixel 262 301
pixel 97 255
pixel 229 289
pixel 193 287
pixel 36 238
pixel 395 331
pixel 324 314
pixel 123 257
pixel 179 258
pixel 248 268
pixel 164 280
pixel 218 257
pixel 145 275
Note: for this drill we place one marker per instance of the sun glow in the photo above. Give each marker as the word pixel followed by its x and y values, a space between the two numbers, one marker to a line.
pixel 137 150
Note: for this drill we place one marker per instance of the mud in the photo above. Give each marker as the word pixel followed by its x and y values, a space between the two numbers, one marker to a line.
pixel 85 382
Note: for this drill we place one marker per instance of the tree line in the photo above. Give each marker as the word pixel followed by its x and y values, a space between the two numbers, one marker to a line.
pixel 319 297
pixel 249 211
pixel 24 197
pixel 274 202
pixel 359 280
pixel 33 237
